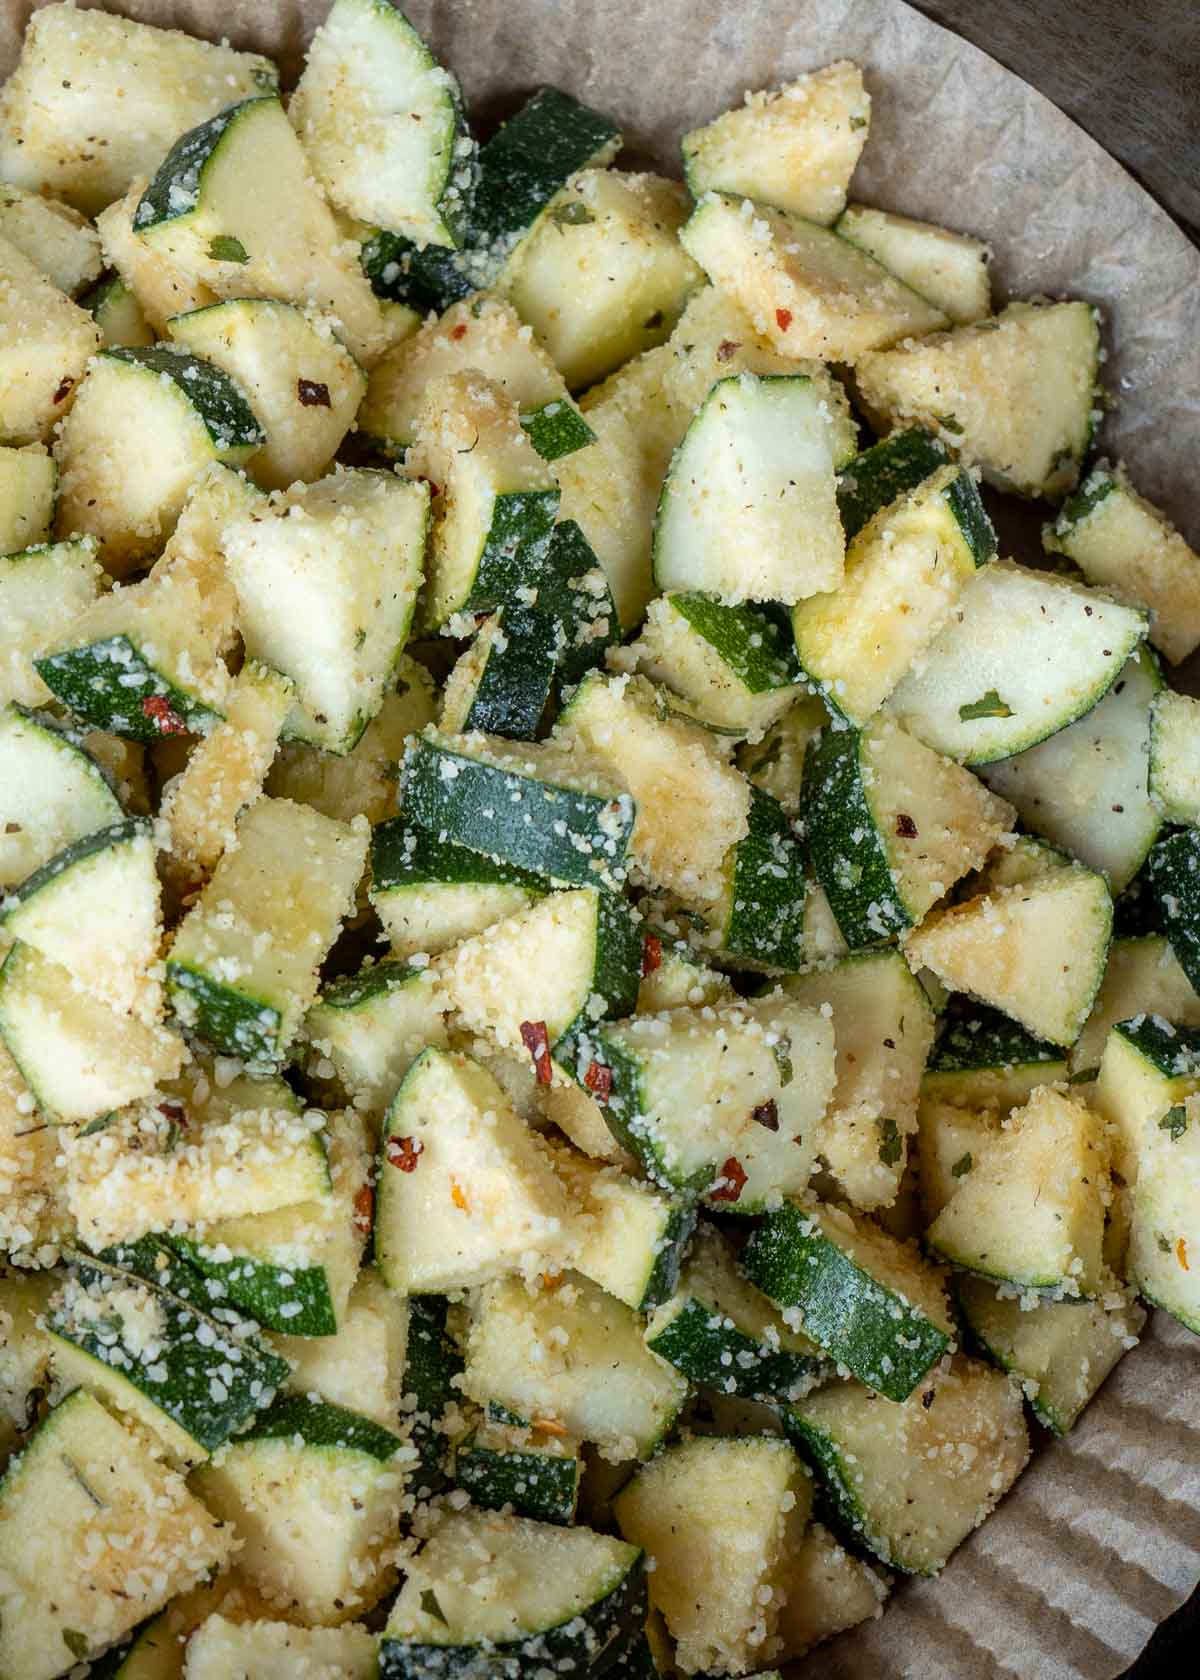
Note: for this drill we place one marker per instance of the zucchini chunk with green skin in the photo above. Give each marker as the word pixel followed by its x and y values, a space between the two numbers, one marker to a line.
pixel 603 276
pixel 345 554
pixel 776 763
pixel 828 1591
pixel 43 590
pixel 154 1349
pixel 577 595
pixel 758 923
pixel 722 1102
pixel 731 667
pixel 884 473
pixel 1096 766
pixel 494 503
pixel 1150 1068
pixel 372 1026
pixel 242 970
pixel 533 806
pixel 1025 655
pixel 220 1648
pixel 983 1059
pixel 502 682
pixel 52 792
pixel 323 1551
pixel 1142 977
pixel 1175 756
pixel 431 893
pixel 465 1190
pixel 1030 1212
pixel 866 1300
pixel 505 1468
pixel 1174 872
pixel 794 147
pixel 431 1409
pixel 361 1366
pixel 384 126
pixel 724 1334
pixel 201 211
pixel 807 291
pixel 903 1480
pixel 1164 1232
pixel 143 427
pixel 1015 395
pixel 949 269
pixel 61 242
pixel 158 287
pixel 89 1506
pixel 301 382
pixel 951 1137
pixel 24 1354
pixel 497 1597
pixel 1122 543
pixel 573 1356
pixel 883 1028
pixel 905 571
pixel 28 485
pixel 1035 951
pixel 118 314
pixel 891 826
pixel 1060 1351
pixel 46 342
pixel 719 1586
pixel 748 511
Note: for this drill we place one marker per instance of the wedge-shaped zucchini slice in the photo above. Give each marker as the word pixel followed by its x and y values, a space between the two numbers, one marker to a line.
pixel 807 291
pixel 1015 394
pixel 1143 976
pixel 723 1102
pixel 501 684
pixel 43 590
pixel 885 472
pixel 1175 756
pixel 794 147
pixel 45 343
pixel 905 571
pixel 509 1597
pixel 301 382
pixel 865 1299
pixel 949 269
pixel 242 969
pixel 56 238
pixel 371 1026
pixel 465 1190
pixel 90 1507
pixel 717 1584
pixel 361 1366
pixel 603 276
pixel 503 1466
pixel 623 1234
pixel 573 1356
pixel 24 1353
pixel 28 485
pixel 983 1059
pixel 758 920
pixel 883 1028
pixel 52 792
pixel 383 124
pixel 1035 951
pixel 157 287
pixel 1085 788
pixel 891 826
pixel 278 1651
pixel 118 314
pixel 1031 1209
pixel 431 1415
pixel 828 1591
pixel 724 1334
pixel 748 511
pixel 1164 1232
pixel 1150 1069
pixel 1175 883
pixel 431 893
pixel 910 1482
pixel 321 1552
pixel 1121 542
pixel 732 668
pixel 544 810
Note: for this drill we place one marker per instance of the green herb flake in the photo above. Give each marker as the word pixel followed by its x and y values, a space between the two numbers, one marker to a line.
pixel 225 248
pixel 891 1145
pixel 77 1643
pixel 1084 1076
pixel 783 1061
pixel 858 122
pixel 950 423
pixel 1164 1246
pixel 1174 1122
pixel 431 1607
pixel 100 1124
pixel 988 705
pixel 574 214
pixel 962 1166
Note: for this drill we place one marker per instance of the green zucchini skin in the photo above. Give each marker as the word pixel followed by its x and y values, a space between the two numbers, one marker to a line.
pixel 765 917
pixel 754 640
pixel 557 429
pixel 78 852
pixel 516 544
pixel 712 1353
pixel 433 1362
pixel 255 1287
pixel 217 399
pixel 664 1277
pixel 575 608
pixel 173 189
pixel 844 844
pixel 233 1023
pixel 108 684
pixel 405 854
pixel 534 1483
pixel 978 1037
pixel 1173 870
pixel 885 471
pixel 319 1423
pixel 513 688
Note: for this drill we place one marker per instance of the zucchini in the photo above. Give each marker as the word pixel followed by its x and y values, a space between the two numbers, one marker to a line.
pixel 948 269
pixel 951 1136
pixel 794 147
pixel 673 977
pixel 157 286
pixel 35 1220
pixel 1149 1069
pixel 885 472
pixel 431 894
pixel 45 343
pixel 910 1482
pixel 501 684
pixel 758 921
pixel 905 571
pixel 371 1026
pixel 118 314
pixel 61 242
pixel 1142 977
pixel 54 792
pixel 828 1591
pixel 983 1059
pixel 43 590
pixel 776 763
pixel 507 1468
pixel 732 668
pixel 1015 395
pixel 431 1415
pixel 360 1366
pixel 24 1354
pixel 220 1649
pixel 1174 777
pixel 891 826
pixel 1121 542
pixel 1164 1232
pixel 623 1233
pixel 28 485
pixel 866 1300
pixel 578 1116
pixel 1172 872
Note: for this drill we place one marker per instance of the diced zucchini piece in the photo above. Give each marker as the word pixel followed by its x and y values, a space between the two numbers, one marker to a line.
pixel 430 893
pixel 724 1334
pixel 718 1585
pixel 90 1509
pixel 795 148
pixel 828 1591
pixel 949 269
pixel 465 1190
pixel 983 1059
pixel 624 1234
pixel 573 1356
pixel 219 1649
pixel 885 472
pixel 748 511
pixel 242 969
pixel 1142 976
pixel 43 590
pixel 1164 1232
pixel 24 1354
pixel 53 792
pixel 511 1597
pixel 1085 788
pixel 905 571
pixel 1149 1070
pixel 507 1468
pixel 1035 951
pixel 1015 394
pixel 159 286
pixel 1174 874
pixel 776 763
pixel 1121 542
pixel 55 238
pixel 733 668
pixel 883 1029
pixel 911 1481
pixel 45 343
pixel 758 920
pixel 28 485
pixel 1175 756
pixel 501 684
pixel 383 124
pixel 372 1026
pixel 315 1492
pixel 301 382
pixel 891 826
pixel 432 1405
pixel 724 1101
pixel 361 1366
pixel 118 314
pixel 951 1135
pixel 867 1300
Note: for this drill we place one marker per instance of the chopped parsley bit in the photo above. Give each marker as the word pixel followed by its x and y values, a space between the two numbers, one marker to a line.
pixel 781 1051
pixel 858 122
pixel 1174 1122
pixel 225 248
pixel 574 214
pixel 891 1145
pixel 950 423
pixel 77 1643
pixel 431 1607
pixel 987 706
pixel 1164 1246
pixel 963 1165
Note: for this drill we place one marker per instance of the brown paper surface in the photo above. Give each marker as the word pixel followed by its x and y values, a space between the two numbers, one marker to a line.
pixel 1100 1539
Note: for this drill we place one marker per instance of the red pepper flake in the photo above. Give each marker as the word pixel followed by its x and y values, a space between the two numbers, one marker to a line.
pixel 728 347
pixel 158 708
pixel 536 1040
pixel 598 1080
pixel 547 1426
pixel 1181 1253
pixel 651 953
pixel 174 1112
pixel 403 1152
pixel 767 1114
pixel 313 394
pixel 906 828
pixel 783 319
pixel 65 386
pixel 552 1280
pixel 460 331
pixel 457 1197
pixel 731 1183
pixel 364 1209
